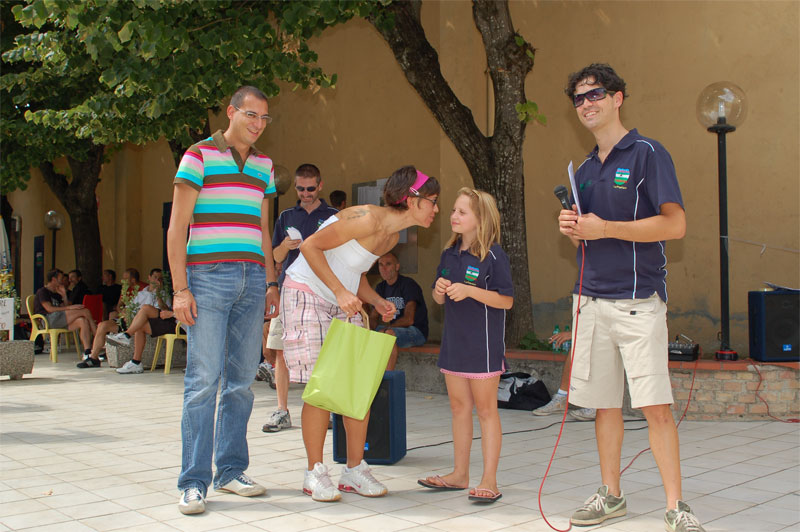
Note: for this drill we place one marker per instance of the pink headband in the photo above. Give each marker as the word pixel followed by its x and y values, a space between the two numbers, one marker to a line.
pixel 421 179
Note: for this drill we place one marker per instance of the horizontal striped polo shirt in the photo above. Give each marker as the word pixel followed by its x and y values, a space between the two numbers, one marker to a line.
pixel 226 221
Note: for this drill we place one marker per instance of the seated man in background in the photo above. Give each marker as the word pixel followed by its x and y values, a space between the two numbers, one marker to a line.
pixel 77 288
pixel 111 290
pixel 154 317
pixel 110 326
pixel 410 323
pixel 338 199
pixel 49 301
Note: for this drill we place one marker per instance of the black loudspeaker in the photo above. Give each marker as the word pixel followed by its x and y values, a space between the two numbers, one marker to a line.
pixel 386 431
pixel 774 325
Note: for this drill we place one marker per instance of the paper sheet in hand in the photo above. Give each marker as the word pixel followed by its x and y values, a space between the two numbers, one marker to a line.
pixel 294 234
pixel 574 189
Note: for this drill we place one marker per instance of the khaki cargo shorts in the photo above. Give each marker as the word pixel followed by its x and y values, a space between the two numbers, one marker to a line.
pixel 616 338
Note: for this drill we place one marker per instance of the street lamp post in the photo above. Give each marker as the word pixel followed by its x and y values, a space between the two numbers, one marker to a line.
pixel 53 221
pixel 721 107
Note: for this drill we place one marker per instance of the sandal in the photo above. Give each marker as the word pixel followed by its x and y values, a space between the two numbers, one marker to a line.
pixel 439 485
pixel 484 495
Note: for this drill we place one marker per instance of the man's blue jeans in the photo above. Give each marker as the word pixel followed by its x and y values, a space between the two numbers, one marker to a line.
pixel 223 352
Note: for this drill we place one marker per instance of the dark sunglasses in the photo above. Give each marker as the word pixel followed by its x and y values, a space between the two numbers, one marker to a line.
pixel 303 189
pixel 593 95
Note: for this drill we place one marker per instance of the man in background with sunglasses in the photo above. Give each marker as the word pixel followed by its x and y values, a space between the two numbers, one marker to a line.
pixel 631 204
pixel 303 219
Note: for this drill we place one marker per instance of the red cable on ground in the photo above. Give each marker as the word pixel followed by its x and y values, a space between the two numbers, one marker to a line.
pixel 683 415
pixel 760 380
pixel 566 408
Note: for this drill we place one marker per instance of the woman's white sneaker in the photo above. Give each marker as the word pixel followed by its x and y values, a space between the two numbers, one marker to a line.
pixel 319 485
pixel 359 480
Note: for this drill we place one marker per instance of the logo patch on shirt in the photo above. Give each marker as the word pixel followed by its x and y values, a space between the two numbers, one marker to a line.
pixel 445 272
pixel 621 177
pixel 472 274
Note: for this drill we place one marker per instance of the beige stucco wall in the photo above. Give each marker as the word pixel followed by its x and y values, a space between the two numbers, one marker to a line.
pixel 374 122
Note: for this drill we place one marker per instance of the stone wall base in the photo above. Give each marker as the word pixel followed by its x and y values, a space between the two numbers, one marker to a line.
pixel 721 390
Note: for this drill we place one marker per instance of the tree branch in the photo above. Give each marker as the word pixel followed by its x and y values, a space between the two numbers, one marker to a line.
pixel 420 63
pixel 509 65
pixel 56 181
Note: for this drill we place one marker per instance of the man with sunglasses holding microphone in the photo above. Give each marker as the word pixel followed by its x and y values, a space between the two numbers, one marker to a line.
pixel 631 204
pixel 293 226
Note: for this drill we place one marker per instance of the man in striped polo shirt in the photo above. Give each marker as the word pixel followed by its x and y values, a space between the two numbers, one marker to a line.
pixel 223 278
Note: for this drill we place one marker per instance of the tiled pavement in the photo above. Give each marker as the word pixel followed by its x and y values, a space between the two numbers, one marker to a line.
pixel 94 450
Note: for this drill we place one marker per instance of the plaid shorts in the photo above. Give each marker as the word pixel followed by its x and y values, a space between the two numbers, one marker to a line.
pixel 306 319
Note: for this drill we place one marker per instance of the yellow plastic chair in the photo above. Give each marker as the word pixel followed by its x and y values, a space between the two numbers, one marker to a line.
pixel 169 340
pixel 39 325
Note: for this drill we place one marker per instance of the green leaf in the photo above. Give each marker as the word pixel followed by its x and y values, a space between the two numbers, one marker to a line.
pixel 126 32
pixel 41 12
pixel 519 40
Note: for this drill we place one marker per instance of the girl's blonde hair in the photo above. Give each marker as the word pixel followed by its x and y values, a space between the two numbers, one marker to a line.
pixel 485 209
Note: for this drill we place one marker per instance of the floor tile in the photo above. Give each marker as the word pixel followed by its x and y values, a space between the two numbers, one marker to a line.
pixel 114 472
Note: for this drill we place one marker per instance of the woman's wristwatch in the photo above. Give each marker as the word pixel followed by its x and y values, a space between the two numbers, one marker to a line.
pixel 271 284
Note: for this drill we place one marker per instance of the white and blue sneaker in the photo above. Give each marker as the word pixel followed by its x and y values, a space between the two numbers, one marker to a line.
pixel 244 486
pixel 192 502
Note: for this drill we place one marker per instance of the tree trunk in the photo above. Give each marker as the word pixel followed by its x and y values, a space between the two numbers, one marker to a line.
pixel 178 147
pixel 495 163
pixel 78 198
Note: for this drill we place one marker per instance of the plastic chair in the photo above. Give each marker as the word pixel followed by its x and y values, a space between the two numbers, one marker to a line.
pixel 169 340
pixel 94 303
pixel 39 325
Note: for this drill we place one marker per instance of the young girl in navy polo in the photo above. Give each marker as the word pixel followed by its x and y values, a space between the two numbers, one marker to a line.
pixel 473 281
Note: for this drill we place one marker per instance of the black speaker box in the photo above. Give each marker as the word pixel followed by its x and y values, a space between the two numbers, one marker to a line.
pixel 386 431
pixel 774 318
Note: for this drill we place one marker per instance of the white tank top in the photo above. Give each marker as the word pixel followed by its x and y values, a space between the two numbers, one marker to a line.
pixel 347 261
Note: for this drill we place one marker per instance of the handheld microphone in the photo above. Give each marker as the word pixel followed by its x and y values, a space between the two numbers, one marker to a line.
pixel 563 196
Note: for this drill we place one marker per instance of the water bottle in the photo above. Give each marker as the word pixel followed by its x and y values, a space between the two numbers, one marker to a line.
pixel 556 330
pixel 566 346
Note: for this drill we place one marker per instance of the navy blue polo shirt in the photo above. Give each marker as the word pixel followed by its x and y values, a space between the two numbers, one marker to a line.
pixel 403 290
pixel 473 338
pixel 305 222
pixel 637 177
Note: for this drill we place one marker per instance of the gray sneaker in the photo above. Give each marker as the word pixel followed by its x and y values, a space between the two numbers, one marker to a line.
pixel 556 405
pixel 266 373
pixel 682 520
pixel 583 414
pixel 599 507
pixel 278 420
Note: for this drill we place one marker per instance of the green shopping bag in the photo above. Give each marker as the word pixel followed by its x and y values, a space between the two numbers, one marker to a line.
pixel 349 369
